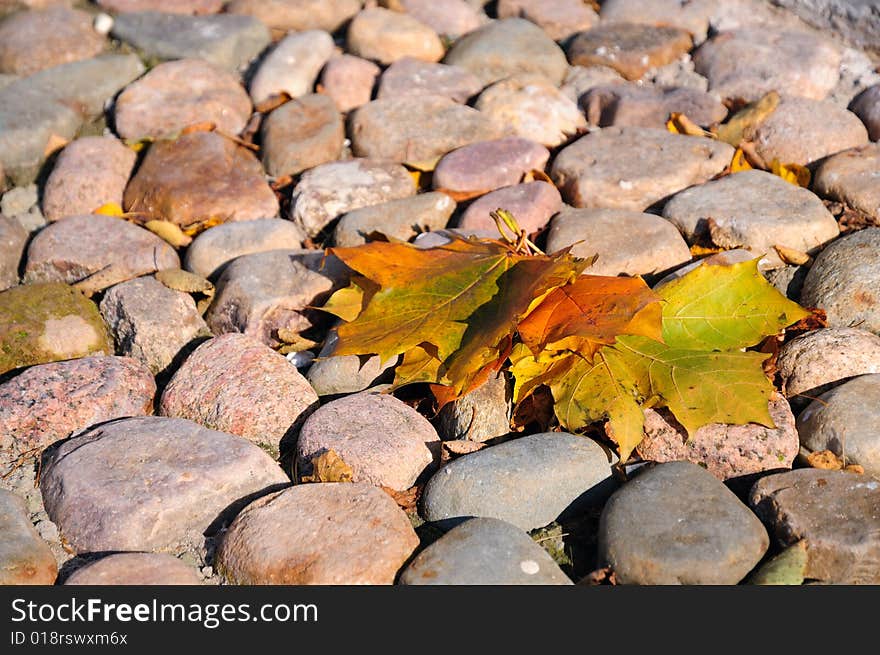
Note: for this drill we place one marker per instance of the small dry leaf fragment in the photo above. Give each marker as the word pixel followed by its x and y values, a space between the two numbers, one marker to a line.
pixel 792 173
pixel 54 143
pixel 180 280
pixel 751 155
pixel 743 122
pixel 536 175
pixel 792 256
pixel 138 144
pixel 739 162
pixel 825 460
pixel 169 232
pixel 462 196
pixel 294 342
pixel 204 126
pixel 679 123
pixel 786 568
pixel 110 209
pixel 407 500
pixel 329 467
pixel 272 102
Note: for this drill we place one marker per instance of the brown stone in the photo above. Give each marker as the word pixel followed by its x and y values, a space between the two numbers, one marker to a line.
pixel 532 204
pixel 135 569
pixel 386 36
pixel 648 106
pixel 559 18
pixel 852 177
pixel 31 41
pixel 301 135
pixel 399 219
pixel 349 80
pixel 411 77
pixel 13 238
pixel 25 559
pixel 298 15
pixel 489 165
pixel 166 6
pixel 200 177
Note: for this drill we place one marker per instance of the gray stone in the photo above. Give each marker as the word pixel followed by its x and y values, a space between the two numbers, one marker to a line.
pixel 867 107
pixel 489 165
pixel 529 481
pixel 327 191
pixel 803 130
pixel 480 415
pixel 13 238
pixel 235 384
pixel 301 135
pixel 846 421
pixel 292 66
pixel 845 281
pixel 71 396
pixel 580 79
pixel 22 205
pixel 853 178
pixel 691 16
pixel 814 362
pixel 507 47
pixel 753 210
pixel 229 41
pixel 135 569
pixel 151 483
pixel 532 107
pixel 329 533
pixel 857 21
pixel 89 173
pixel 386 36
pixel 417 129
pixel 400 219
pixel 648 106
pixel 752 61
pixel 675 523
pixel 385 441
pixel 211 250
pixel 726 451
pixel 176 94
pixel 634 167
pixel 834 512
pixel 152 323
pixel 331 374
pixel 484 551
pixel 409 77
pixel 532 204
pixel 95 252
pixel 627 242
pixel 261 293
pixel 25 559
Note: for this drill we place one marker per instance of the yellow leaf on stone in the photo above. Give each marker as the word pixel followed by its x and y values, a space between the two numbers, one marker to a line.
pixel 679 123
pixel 180 280
pixel 110 209
pixel 195 228
pixel 743 122
pixel 329 467
pixel 739 162
pixel 792 173
pixel 169 232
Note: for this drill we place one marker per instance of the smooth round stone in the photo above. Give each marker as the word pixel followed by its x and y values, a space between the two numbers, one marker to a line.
pixel 42 323
pixel 386 36
pixel 627 242
pixel 301 135
pixel 507 47
pixel 489 165
pixel 71 396
pixel 629 48
pixel 151 483
pixel 726 451
pixel 580 79
pixel 449 18
pixel 95 252
pixel 845 281
pixel 225 40
pixel 330 533
pixel 211 250
pixel 484 551
pixel 298 15
pixel 349 80
pixel 530 481
pixel 853 178
pixel 752 61
pixel 532 204
pixel 31 41
pixel 167 6
pixel 25 559
pixel 411 77
pixel 135 569
pixel 867 107
pixel 677 524
pixel 559 18
pixel 417 129
pixel 533 108
pixel 327 191
pixel 846 421
pixel 634 167
pixel 753 210
pixel 690 16
pixel 152 323
pixel 649 106
pixel 331 374
pixel 13 239
pixel 812 363
pixel 292 66
pixel 479 415
pixel 198 177
pixel 176 94
pixel 89 172
pixel 384 441
pixel 235 384
pixel 834 512
pixel 261 293
pixel 802 130
pixel 399 219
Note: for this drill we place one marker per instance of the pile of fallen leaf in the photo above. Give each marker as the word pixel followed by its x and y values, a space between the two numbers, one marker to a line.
pixel 604 347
